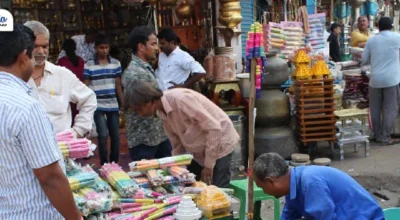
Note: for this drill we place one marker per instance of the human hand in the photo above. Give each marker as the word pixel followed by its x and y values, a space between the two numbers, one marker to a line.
pixel 175 86
pixel 75 134
pixel 207 175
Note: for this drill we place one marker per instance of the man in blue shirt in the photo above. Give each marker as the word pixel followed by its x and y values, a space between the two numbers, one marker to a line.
pixel 382 52
pixel 314 192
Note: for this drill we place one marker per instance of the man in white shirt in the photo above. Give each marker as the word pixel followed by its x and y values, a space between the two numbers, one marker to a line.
pixel 382 53
pixel 176 68
pixel 55 87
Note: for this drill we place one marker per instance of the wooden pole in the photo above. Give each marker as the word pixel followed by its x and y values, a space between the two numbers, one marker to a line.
pixel 252 96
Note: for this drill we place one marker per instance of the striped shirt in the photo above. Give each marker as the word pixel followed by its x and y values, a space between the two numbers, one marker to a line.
pixel 102 81
pixel 27 142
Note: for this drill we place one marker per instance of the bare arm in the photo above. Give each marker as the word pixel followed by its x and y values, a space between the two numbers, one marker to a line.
pixel 86 81
pixel 120 94
pixel 195 78
pixel 56 187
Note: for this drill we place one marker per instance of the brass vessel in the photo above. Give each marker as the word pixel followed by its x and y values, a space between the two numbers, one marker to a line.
pixel 184 10
pixel 230 13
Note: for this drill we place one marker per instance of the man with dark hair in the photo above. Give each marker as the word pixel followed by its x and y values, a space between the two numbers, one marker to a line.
pixel 382 54
pixel 360 36
pixel 194 124
pixel 314 192
pixel 84 45
pixel 146 136
pixel 176 68
pixel 55 87
pixel 103 75
pixel 33 184
pixel 334 44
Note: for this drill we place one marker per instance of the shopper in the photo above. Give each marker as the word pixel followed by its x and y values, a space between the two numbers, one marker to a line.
pixel 84 45
pixel 146 136
pixel 334 43
pixel 382 54
pixel 103 75
pixel 55 87
pixel 74 63
pixel 314 192
pixel 33 184
pixel 194 124
pixel 176 68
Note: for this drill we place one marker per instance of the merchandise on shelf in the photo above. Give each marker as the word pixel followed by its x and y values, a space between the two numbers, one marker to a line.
pixel 317 29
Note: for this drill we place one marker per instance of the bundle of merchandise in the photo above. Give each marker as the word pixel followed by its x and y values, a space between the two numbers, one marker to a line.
pixel 255 49
pixel 317 30
pixel 355 94
pixel 161 177
pixel 266 37
pixel 293 32
pixel 213 202
pixel 179 160
pixel 119 179
pixel 80 180
pixel 74 148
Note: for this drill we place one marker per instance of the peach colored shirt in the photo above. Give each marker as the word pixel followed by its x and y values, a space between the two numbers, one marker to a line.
pixel 195 124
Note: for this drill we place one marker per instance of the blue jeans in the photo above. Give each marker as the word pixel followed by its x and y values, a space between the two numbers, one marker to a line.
pixel 143 151
pixel 105 127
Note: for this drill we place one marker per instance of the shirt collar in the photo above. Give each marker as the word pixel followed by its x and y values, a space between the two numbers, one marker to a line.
pixel 293 183
pixel 141 63
pixel 177 49
pixel 167 107
pixel 48 67
pixel 96 60
pixel 18 81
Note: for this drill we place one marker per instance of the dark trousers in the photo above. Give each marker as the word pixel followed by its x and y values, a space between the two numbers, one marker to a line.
pixel 105 127
pixel 384 107
pixel 143 151
pixel 221 173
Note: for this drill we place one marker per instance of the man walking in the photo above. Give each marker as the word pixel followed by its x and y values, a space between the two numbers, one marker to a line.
pixel 146 136
pixel 32 180
pixel 382 53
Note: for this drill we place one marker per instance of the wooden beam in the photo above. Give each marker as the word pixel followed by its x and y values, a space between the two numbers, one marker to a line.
pixel 252 96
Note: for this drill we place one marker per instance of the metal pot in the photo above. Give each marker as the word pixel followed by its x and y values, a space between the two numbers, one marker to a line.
pixel 184 10
pixel 355 3
pixel 273 109
pixel 239 154
pixel 275 73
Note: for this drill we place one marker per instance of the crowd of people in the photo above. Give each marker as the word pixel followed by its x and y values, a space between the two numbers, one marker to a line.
pixel 163 118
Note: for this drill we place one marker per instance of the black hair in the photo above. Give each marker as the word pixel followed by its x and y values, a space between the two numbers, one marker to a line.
pixel 14 42
pixel 91 32
pixel 101 39
pixel 69 47
pixel 168 34
pixel 385 24
pixel 178 40
pixel 139 35
pixel 334 26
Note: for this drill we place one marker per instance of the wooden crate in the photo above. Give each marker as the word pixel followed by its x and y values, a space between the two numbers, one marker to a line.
pixel 315 106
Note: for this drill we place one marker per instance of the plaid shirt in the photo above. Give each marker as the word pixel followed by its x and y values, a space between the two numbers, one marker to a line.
pixel 142 130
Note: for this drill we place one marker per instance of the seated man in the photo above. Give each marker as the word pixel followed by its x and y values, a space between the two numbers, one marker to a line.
pixel 314 192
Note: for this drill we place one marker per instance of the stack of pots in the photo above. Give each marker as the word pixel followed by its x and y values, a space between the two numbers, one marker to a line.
pixel 273 132
pixel 230 13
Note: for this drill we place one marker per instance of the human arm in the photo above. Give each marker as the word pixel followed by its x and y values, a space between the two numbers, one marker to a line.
pixel 187 63
pixel 86 104
pixel 366 56
pixel 318 202
pixel 118 88
pixel 177 147
pixel 288 212
pixel 39 147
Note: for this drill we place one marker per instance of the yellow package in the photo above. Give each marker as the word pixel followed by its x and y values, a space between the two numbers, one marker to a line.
pixel 213 202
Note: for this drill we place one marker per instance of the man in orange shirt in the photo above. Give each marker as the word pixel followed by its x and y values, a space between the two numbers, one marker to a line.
pixel 193 124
